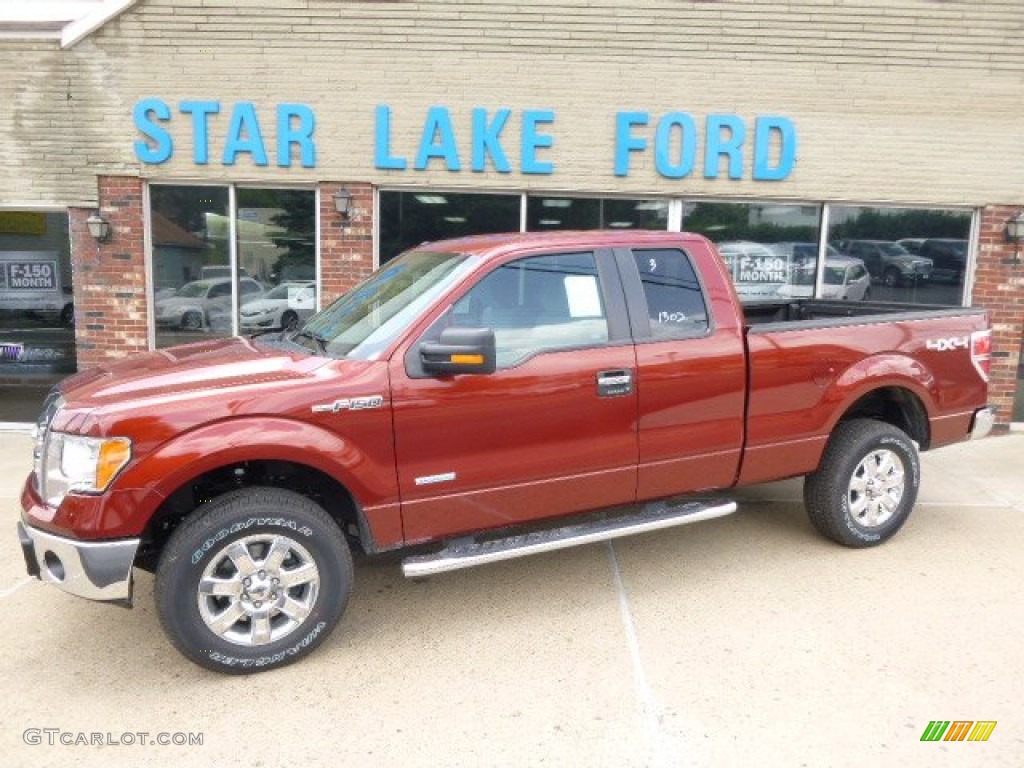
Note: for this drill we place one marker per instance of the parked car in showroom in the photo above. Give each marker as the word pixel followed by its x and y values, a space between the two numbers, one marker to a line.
pixel 888 261
pixel 191 306
pixel 948 255
pixel 284 307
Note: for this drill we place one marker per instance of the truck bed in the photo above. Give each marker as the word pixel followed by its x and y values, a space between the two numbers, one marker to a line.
pixel 789 314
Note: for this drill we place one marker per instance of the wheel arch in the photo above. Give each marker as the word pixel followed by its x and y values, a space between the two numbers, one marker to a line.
pixel 298 477
pixel 274 452
pixel 893 404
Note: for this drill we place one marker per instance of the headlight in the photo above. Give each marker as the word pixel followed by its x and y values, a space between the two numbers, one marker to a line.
pixel 82 464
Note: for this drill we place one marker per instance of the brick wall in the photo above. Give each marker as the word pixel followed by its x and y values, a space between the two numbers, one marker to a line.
pixel 346 251
pixel 110 278
pixel 999 287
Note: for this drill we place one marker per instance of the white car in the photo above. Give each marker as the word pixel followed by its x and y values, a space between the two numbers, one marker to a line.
pixel 284 307
pixel 846 279
pixel 190 307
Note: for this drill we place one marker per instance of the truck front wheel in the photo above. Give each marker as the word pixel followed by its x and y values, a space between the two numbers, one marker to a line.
pixel 866 484
pixel 255 579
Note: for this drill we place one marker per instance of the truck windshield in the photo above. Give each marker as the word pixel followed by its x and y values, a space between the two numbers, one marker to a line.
pixel 367 319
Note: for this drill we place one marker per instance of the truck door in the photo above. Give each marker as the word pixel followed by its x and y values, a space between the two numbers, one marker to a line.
pixel 551 432
pixel 691 374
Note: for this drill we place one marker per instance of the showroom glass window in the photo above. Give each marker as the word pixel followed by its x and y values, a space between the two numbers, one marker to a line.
pixel 195 286
pixel 37 335
pixel 276 240
pixel 411 218
pixel 770 249
pixel 913 255
pixel 559 213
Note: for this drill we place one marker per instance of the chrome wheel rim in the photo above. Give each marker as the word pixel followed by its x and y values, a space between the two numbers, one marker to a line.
pixel 258 589
pixel 876 488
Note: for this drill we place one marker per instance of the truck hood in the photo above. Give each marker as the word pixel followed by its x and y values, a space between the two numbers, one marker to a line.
pixel 190 369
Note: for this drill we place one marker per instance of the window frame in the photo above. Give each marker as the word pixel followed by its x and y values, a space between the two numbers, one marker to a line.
pixel 611 296
pixel 233 256
pixel 636 299
pixel 677 205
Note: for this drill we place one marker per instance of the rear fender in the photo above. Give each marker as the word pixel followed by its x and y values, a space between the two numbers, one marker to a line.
pixel 891 370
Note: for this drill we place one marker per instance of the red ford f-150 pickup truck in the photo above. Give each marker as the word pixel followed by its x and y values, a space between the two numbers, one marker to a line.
pixel 480 399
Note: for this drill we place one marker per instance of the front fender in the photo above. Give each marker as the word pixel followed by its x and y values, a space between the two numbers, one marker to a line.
pixel 368 476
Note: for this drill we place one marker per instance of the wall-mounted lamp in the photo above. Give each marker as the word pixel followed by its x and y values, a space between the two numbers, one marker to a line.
pixel 99 228
pixel 1015 233
pixel 1015 228
pixel 343 205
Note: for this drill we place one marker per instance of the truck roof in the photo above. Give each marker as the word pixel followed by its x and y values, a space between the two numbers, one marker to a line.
pixel 490 246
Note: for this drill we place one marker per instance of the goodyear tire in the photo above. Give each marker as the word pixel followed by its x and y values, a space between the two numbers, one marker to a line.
pixel 254 580
pixel 866 485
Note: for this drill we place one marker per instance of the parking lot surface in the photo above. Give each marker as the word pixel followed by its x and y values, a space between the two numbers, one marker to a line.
pixel 743 641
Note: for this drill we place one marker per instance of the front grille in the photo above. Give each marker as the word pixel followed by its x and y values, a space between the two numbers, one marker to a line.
pixel 11 353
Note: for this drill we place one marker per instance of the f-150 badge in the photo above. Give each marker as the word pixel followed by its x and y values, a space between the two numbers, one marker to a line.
pixel 353 404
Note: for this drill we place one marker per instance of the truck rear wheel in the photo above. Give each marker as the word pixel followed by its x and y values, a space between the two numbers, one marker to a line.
pixel 866 485
pixel 256 579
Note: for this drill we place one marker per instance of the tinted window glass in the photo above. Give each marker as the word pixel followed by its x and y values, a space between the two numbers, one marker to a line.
pixel 557 213
pixel 675 304
pixel 37 312
pixel 913 255
pixel 541 304
pixel 411 218
pixel 770 249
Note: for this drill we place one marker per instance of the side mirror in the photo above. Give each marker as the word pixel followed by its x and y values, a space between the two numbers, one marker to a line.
pixel 460 350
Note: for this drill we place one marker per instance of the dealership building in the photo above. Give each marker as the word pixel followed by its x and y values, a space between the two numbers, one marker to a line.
pixel 178 170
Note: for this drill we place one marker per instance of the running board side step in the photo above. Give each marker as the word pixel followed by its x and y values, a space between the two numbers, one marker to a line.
pixel 468 552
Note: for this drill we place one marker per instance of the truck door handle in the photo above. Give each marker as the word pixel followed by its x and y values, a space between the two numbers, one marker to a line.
pixel 615 383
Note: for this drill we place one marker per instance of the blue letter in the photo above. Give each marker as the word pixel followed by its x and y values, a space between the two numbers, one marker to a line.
pixel 439 124
pixel 163 147
pixel 200 137
pixel 625 141
pixel 383 160
pixel 764 127
pixel 687 146
pixel 302 134
pixel 243 118
pixel 532 141
pixel 717 145
pixel 487 140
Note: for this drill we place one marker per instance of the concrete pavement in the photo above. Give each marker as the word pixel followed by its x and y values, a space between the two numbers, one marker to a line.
pixel 743 641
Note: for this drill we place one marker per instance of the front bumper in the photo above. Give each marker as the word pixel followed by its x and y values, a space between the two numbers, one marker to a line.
pixel 95 570
pixel 983 421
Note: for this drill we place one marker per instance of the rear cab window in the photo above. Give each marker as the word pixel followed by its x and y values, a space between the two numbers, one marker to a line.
pixel 675 302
